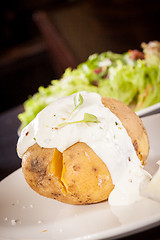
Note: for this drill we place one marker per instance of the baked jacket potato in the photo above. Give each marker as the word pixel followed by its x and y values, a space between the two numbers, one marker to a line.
pixel 78 175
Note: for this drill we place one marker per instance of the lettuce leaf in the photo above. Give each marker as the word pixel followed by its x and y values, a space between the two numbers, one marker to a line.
pixel 134 82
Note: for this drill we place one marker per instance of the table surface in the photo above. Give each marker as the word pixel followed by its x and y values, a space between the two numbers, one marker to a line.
pixel 9 160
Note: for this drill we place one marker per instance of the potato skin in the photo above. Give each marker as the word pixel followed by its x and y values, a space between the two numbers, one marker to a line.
pixel 35 163
pixel 133 125
pixel 85 178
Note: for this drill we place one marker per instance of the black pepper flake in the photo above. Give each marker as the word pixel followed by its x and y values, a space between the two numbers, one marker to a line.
pixel 116 123
pixel 27 133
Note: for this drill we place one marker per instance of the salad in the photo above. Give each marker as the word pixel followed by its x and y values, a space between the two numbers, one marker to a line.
pixel 132 77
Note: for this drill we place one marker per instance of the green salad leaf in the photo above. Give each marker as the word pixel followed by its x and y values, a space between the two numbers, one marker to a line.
pixel 126 77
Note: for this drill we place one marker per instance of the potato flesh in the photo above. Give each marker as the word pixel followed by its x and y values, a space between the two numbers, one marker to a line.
pixel 56 165
pixel 56 168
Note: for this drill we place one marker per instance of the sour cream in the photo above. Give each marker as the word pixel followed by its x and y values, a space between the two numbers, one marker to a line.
pixel 108 139
pixel 151 189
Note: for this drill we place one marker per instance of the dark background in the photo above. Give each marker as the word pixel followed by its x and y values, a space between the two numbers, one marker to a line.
pixel 86 26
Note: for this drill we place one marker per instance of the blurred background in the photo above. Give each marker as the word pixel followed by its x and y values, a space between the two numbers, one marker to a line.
pixel 40 38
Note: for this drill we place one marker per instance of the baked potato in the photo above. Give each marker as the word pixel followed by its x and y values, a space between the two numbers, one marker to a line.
pixel 78 175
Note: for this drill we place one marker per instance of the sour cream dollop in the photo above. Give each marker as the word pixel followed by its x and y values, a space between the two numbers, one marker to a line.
pixel 107 137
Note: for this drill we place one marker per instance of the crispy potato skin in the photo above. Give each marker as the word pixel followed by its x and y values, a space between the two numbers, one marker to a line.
pixel 85 178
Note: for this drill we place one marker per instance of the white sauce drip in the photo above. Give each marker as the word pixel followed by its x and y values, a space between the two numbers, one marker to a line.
pixel 108 139
pixel 151 189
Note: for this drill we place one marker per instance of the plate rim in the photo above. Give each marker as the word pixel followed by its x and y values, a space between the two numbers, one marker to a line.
pixel 151 109
pixel 113 233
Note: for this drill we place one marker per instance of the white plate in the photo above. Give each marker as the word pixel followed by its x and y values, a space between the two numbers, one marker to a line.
pixel 27 216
